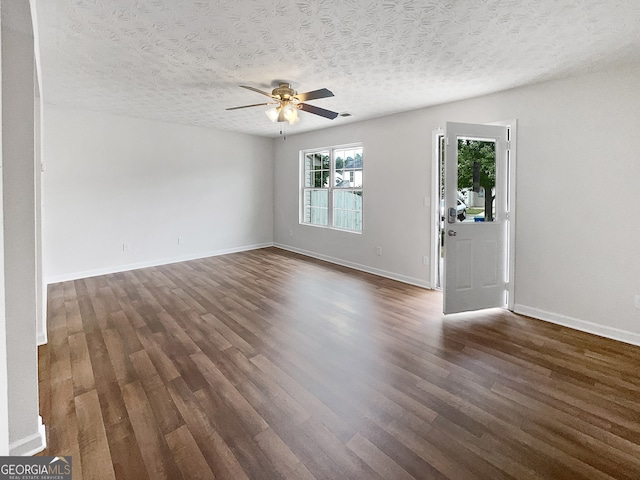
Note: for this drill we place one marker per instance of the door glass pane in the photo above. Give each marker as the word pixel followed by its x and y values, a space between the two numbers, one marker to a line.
pixel 476 180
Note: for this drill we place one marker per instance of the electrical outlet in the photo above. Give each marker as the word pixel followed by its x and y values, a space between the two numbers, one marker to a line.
pixel 125 247
pixel 379 251
pixel 636 301
pixel 425 260
pixel 180 240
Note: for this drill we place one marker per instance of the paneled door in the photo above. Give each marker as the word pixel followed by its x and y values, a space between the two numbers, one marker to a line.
pixel 475 217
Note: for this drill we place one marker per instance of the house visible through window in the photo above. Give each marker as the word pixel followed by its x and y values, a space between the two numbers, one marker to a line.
pixel 332 187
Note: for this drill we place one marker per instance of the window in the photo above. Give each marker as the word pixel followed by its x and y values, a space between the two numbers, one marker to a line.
pixel 332 187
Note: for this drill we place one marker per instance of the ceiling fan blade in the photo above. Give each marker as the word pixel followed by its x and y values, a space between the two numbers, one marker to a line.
pixel 315 94
pixel 253 105
pixel 256 90
pixel 317 111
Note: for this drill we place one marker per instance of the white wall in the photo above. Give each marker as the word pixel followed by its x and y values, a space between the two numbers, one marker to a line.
pixel 577 196
pixel 26 434
pixel 4 388
pixel 396 177
pixel 41 287
pixel 111 180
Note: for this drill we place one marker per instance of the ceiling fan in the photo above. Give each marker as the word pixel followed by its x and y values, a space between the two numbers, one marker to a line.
pixel 288 102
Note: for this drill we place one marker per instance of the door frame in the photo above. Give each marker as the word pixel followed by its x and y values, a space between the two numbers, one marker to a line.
pixel 511 199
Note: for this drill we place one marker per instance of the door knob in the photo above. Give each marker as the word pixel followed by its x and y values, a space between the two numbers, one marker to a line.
pixel 451 233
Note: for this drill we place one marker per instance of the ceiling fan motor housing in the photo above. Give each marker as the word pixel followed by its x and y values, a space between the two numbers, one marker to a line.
pixel 284 91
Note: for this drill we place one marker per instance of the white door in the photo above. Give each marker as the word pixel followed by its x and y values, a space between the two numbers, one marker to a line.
pixel 475 232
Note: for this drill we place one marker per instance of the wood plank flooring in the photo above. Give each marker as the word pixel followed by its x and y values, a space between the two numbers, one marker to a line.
pixel 270 365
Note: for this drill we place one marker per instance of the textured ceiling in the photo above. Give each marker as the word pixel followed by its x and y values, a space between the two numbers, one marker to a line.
pixel 182 61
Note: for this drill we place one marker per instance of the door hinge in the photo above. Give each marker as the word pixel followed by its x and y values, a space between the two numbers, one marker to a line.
pixel 507 215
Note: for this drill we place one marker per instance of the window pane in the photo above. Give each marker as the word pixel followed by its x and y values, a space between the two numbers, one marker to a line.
pixel 338 218
pixel 348 168
pixel 316 169
pixel 357 218
pixel 316 209
pixel 476 180
pixel 338 200
pixel 347 209
pixel 320 178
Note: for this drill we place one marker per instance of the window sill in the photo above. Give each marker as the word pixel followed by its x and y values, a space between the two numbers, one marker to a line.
pixel 327 227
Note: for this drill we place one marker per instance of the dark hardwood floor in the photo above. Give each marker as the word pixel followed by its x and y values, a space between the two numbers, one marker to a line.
pixel 270 365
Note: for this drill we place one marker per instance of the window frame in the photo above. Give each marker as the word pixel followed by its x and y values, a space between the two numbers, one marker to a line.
pixel 331 188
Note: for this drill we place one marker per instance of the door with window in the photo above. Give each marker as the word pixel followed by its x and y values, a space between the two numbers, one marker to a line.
pixel 476 217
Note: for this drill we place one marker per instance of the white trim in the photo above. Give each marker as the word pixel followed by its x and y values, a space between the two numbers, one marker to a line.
pixel 41 336
pixel 313 225
pixel 511 233
pixel 32 444
pixel 152 263
pixel 435 205
pixel 418 282
pixel 581 325
pixel 36 42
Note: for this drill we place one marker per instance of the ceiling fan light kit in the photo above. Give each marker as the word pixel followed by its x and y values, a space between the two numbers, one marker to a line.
pixel 272 113
pixel 288 102
pixel 288 113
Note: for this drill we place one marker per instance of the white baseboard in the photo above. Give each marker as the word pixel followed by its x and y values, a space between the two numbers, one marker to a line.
pixel 32 444
pixel 152 263
pixel 356 266
pixel 577 324
pixel 41 335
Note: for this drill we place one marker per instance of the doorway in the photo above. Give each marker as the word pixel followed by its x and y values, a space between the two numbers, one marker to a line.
pixel 473 200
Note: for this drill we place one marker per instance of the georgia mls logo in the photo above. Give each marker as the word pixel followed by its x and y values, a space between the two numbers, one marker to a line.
pixel 63 466
pixel 35 468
